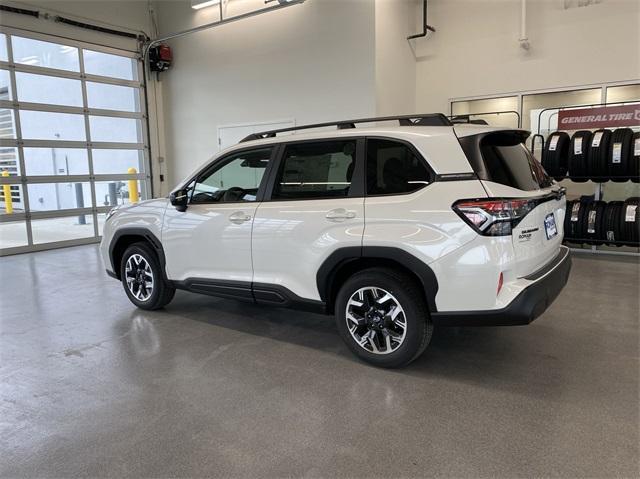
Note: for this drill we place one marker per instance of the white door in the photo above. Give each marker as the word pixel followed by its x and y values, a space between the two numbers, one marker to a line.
pixel 314 209
pixel 230 135
pixel 212 238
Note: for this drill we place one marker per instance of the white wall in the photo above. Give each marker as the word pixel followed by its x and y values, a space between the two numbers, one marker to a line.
pixel 475 50
pixel 395 62
pixel 311 62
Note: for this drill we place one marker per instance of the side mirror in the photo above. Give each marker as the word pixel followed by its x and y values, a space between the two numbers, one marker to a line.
pixel 179 199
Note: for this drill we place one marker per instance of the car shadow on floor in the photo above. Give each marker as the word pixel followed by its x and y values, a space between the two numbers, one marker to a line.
pixel 490 356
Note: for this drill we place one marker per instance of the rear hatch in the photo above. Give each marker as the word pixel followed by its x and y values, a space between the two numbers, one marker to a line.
pixel 508 171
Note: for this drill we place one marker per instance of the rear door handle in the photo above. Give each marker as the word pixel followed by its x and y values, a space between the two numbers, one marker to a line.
pixel 340 214
pixel 239 217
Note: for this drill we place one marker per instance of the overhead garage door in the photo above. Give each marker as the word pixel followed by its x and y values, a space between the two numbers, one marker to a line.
pixel 73 139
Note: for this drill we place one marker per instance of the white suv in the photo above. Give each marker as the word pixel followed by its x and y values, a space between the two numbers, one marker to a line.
pixel 391 229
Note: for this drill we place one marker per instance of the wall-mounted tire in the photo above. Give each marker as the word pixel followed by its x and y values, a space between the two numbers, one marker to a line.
pixel 619 156
pixel 634 166
pixel 592 222
pixel 576 211
pixel 555 154
pixel 579 155
pixel 597 168
pixel 611 223
pixel 630 221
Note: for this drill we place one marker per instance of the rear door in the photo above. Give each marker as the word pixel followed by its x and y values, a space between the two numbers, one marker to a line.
pixel 313 206
pixel 508 170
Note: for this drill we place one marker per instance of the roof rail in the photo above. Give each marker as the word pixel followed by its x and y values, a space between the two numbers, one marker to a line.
pixel 428 119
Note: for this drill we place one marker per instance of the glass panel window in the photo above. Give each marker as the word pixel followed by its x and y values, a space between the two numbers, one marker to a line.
pixel 44 125
pixel 112 129
pixel 3 48
pixel 316 170
pixel 27 51
pixel 236 179
pixel 62 229
pixel 506 103
pixel 393 168
pixel 5 86
pixel 12 203
pixel 13 234
pixel 56 161
pixel 107 162
pixel 532 105
pixel 48 89
pixel 59 196
pixel 623 93
pixel 108 65
pixel 112 97
pixel 115 192
pixel 7 123
pixel 9 160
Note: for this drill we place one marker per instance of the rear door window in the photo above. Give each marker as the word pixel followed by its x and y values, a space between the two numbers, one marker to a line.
pixel 315 170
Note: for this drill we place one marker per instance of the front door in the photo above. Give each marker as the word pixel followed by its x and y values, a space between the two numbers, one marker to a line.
pixel 212 239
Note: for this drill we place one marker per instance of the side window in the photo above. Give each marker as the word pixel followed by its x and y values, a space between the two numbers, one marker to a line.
pixel 393 168
pixel 236 179
pixel 315 170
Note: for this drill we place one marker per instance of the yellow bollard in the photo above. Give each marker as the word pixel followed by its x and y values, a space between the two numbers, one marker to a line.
pixel 133 186
pixel 6 190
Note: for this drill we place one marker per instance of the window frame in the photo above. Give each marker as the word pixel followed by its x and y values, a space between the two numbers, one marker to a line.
pixel 221 162
pixel 357 179
pixel 414 150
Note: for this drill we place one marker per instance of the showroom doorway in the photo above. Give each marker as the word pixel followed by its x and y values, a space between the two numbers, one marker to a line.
pixel 73 139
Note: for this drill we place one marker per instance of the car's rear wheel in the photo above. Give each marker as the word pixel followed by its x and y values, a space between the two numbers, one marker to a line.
pixel 142 278
pixel 383 318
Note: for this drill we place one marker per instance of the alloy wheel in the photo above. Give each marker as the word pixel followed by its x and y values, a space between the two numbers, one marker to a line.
pixel 139 277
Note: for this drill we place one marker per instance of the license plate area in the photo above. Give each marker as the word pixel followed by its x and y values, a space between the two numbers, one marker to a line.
pixel 550 227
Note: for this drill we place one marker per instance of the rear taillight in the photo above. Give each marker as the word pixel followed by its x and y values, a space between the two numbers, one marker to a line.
pixel 493 217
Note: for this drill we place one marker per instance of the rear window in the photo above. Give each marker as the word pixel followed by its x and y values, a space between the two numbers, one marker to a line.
pixel 502 158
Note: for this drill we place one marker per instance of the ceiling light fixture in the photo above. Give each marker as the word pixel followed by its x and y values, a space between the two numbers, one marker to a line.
pixel 198 4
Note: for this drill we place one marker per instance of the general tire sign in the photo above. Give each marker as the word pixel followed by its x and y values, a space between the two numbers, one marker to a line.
pixel 600 117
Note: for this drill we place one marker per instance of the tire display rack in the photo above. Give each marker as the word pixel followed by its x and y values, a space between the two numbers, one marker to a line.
pixel 606 155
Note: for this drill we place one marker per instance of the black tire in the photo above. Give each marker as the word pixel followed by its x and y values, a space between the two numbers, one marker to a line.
pixel 611 223
pixel 162 292
pixel 408 295
pixel 630 221
pixel 579 155
pixel 620 153
pixel 634 162
pixel 575 220
pixel 599 156
pixel 556 154
pixel 592 222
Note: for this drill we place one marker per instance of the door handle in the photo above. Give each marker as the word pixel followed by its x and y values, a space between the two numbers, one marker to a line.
pixel 239 217
pixel 340 214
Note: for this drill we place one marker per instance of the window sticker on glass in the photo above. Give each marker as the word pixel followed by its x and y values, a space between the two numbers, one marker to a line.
pixel 596 139
pixel 553 144
pixel 616 156
pixel 577 146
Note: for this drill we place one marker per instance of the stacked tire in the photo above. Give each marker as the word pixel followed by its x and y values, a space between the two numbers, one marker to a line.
pixel 600 156
pixel 615 223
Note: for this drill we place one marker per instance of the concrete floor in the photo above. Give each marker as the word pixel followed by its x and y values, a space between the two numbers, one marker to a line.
pixel 90 386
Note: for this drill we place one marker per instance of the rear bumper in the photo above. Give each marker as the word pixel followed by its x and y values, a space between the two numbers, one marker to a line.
pixel 527 306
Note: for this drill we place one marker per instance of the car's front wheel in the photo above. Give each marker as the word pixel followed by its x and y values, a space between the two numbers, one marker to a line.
pixel 383 318
pixel 142 278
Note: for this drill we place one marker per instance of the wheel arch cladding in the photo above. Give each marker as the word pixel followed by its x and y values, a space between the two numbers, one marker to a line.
pixel 125 237
pixel 345 262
